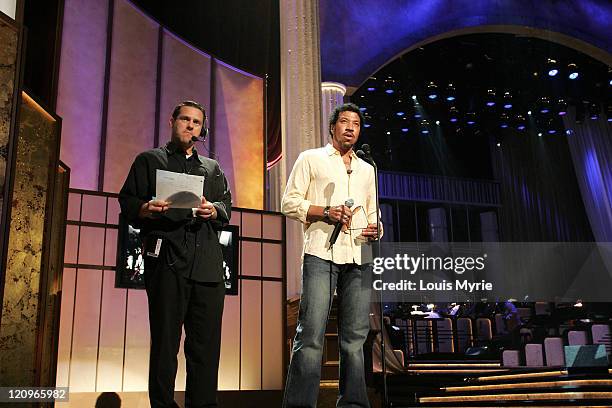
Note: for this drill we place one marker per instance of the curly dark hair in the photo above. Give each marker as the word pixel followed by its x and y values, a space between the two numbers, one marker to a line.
pixel 345 107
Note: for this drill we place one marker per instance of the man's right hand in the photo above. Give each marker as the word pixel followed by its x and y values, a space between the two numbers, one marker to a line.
pixel 340 213
pixel 152 208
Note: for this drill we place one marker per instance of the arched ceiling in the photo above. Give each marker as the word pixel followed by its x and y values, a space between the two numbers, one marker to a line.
pixel 360 36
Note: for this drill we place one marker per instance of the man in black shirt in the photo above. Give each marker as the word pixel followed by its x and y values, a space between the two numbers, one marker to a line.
pixel 183 261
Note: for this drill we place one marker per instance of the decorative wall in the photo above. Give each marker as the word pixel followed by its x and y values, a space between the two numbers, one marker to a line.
pixel 36 157
pixel 104 331
pixel 121 74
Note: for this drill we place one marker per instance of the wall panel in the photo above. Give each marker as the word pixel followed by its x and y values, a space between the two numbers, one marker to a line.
pixel 81 88
pixel 137 340
pixel 64 347
pixel 83 363
pixel 132 92
pixel 250 363
pixel 238 136
pixel 185 75
pixel 112 329
pixel 229 365
pixel 272 340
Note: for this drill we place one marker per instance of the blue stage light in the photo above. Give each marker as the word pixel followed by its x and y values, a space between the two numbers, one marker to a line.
pixel 389 91
pixel 400 113
pixel 371 89
pixel 366 125
pixel 573 71
pixel 404 130
pixel 363 109
pixel 553 72
pixel 573 75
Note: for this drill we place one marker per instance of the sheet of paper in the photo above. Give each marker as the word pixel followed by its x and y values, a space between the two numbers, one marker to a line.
pixel 179 189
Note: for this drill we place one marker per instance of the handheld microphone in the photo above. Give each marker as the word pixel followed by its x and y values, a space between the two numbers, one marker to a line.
pixel 334 236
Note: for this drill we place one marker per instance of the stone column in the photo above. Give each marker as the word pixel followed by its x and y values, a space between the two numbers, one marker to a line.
pixel 332 94
pixel 300 111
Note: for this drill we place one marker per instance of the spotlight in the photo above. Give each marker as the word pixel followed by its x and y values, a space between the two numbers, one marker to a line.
pixel 471 118
pixel 498 144
pixel 432 91
pixel 562 106
pixel 454 114
pixel 507 100
pixel 551 127
pixel 572 71
pixel 417 115
pixel 405 130
pixel 569 132
pixel 371 89
pixel 450 93
pixel 544 104
pixel 363 109
pixel 503 121
pixel 400 113
pixel 366 125
pixel 424 127
pixel 490 100
pixel 414 97
pixel 594 111
pixel 529 112
pixel 540 134
pixel 520 122
pixel 388 132
pixel 389 91
pixel 552 67
pixel 438 122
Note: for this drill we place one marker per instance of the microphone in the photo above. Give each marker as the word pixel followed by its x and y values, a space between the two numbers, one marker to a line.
pixel 334 236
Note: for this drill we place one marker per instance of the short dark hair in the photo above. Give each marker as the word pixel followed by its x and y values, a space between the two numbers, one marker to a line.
pixel 345 107
pixel 193 104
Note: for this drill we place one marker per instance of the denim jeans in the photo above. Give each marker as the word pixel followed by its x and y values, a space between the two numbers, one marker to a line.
pixel 318 283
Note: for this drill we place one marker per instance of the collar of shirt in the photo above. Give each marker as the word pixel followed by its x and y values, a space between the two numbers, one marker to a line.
pixel 172 148
pixel 331 150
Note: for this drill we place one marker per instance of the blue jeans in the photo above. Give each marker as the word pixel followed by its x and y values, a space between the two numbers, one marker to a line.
pixel 352 284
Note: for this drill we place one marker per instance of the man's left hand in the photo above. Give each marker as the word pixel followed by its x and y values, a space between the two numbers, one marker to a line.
pixel 206 210
pixel 371 232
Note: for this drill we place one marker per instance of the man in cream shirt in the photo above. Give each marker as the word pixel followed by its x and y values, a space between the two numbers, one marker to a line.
pixel 320 183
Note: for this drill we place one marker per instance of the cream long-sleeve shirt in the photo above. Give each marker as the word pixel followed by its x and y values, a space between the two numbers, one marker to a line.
pixel 319 177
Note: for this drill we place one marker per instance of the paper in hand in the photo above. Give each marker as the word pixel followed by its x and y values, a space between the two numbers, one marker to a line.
pixel 178 189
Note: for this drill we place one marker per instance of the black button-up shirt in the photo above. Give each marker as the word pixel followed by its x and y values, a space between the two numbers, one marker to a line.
pixel 189 245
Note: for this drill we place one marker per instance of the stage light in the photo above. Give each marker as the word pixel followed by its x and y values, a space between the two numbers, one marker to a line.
pixel 609 111
pixel 529 112
pixel 569 132
pixel 507 100
pixel 424 127
pixel 520 122
pixel 363 109
pixel 371 89
pixel 432 90
pixel 540 134
pixel 454 114
pixel 366 125
pixel 572 71
pixel 400 113
pixel 471 118
pixel 594 111
pixel 562 107
pixel 498 144
pixel 490 100
pixel 389 91
pixel 418 115
pixel 388 132
pixel 405 130
pixel 551 131
pixel 544 104
pixel 552 67
pixel 438 122
pixel 450 93
pixel 503 121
